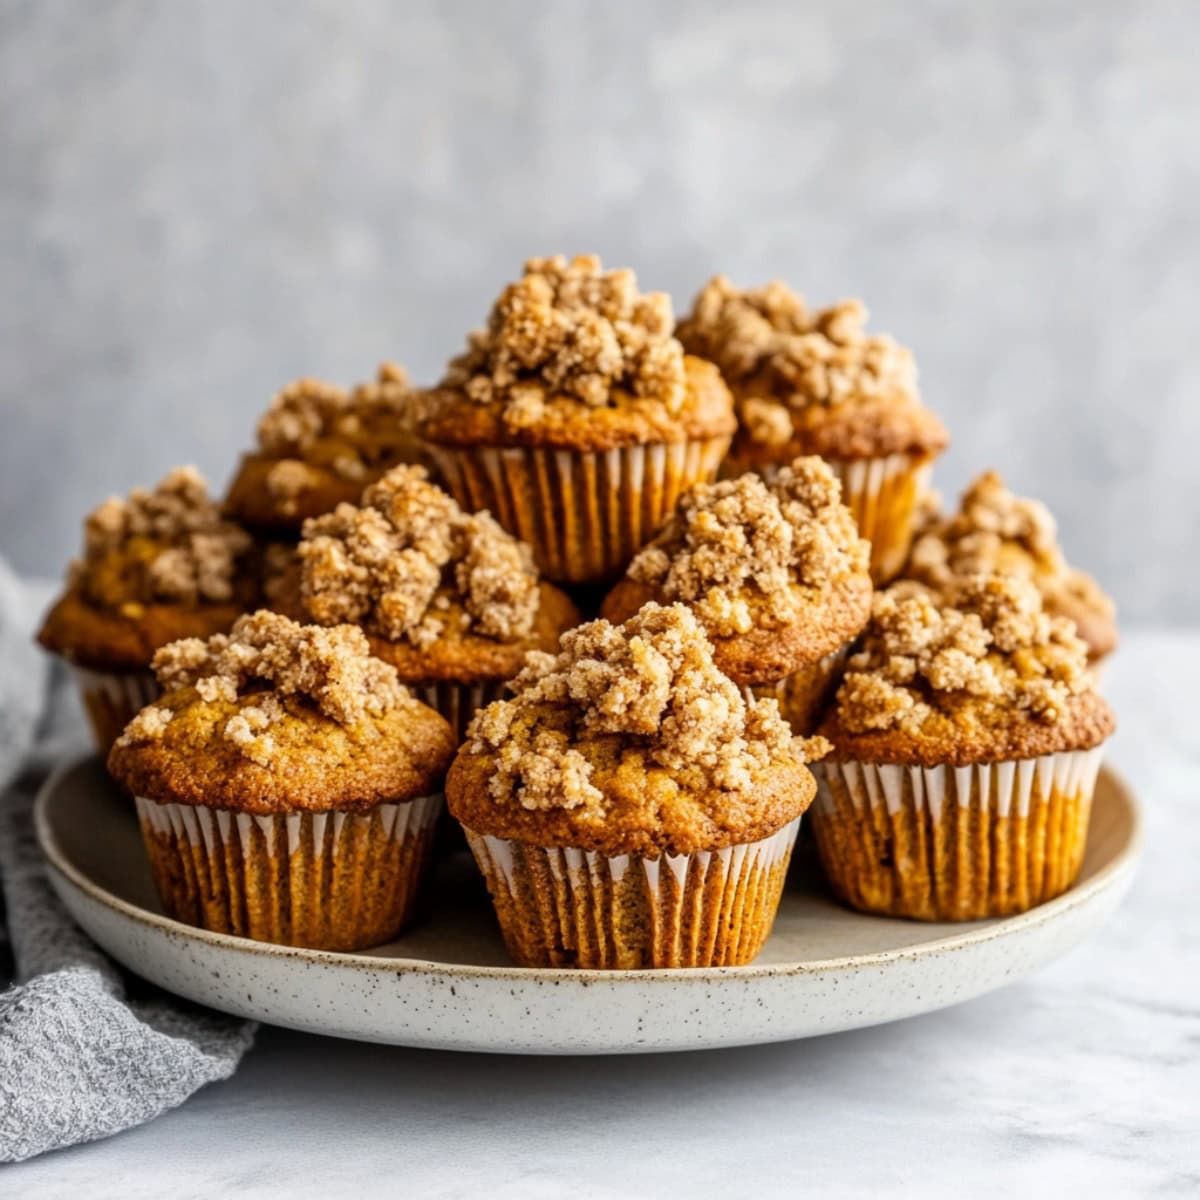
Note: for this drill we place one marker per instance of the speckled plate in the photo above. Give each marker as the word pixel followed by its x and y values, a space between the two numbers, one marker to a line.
pixel 448 984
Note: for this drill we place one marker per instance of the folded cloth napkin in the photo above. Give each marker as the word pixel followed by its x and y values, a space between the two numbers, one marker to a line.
pixel 85 1051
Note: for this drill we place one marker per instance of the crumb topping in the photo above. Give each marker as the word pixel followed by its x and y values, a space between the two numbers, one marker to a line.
pixel 768 336
pixel 996 532
pixel 988 641
pixel 349 432
pixel 570 328
pixel 166 545
pixel 648 687
pixel 269 657
pixel 742 553
pixel 399 563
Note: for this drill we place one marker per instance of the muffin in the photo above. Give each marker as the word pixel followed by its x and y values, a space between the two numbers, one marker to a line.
pixel 966 737
pixel 775 572
pixel 576 419
pixel 449 599
pixel 627 807
pixel 999 533
pixel 156 566
pixel 287 785
pixel 815 382
pixel 320 445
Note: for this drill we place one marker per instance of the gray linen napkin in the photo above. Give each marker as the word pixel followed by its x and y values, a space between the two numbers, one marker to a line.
pixel 85 1051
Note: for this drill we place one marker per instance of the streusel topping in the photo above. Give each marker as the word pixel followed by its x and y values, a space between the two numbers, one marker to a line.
pixel 399 563
pixel 744 553
pixel 570 328
pixel 647 687
pixel 166 545
pixel 768 337
pixel 995 531
pixel 271 657
pixel 988 641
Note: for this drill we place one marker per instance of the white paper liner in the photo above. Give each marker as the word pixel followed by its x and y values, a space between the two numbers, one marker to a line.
pixel 112 699
pixel 458 702
pixel 581 913
pixel 890 838
pixel 586 514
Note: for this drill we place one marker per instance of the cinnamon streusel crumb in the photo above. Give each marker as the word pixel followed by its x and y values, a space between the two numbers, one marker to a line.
pixel 649 687
pixel 167 545
pixel 269 654
pixel 987 641
pixel 572 329
pixel 741 552
pixel 393 564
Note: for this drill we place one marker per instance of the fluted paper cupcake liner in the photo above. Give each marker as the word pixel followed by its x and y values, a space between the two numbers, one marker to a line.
pixel 324 880
pixel 457 702
pixel 802 695
pixel 585 514
pixel 112 699
pixel 577 908
pixel 954 843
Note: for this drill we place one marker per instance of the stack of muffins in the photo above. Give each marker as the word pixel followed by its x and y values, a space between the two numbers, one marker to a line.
pixel 391 607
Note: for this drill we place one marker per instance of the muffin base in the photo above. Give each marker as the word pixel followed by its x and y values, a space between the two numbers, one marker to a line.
pixel 112 699
pixel 954 843
pixel 322 880
pixel 577 908
pixel 586 514
pixel 802 695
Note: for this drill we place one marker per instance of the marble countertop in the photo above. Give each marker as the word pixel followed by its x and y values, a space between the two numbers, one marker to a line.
pixel 1083 1079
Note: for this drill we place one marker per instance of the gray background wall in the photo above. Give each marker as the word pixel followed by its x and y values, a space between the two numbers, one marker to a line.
pixel 202 200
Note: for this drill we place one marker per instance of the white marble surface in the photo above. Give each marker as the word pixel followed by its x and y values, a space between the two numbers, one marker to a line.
pixel 1083 1080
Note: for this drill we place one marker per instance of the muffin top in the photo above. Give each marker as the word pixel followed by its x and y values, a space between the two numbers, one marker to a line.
pixel 277 716
pixel 977 673
pixel 630 741
pixel 441 593
pixel 158 565
pixel 775 572
pixel 319 444
pixel 576 357
pixel 999 533
pixel 809 381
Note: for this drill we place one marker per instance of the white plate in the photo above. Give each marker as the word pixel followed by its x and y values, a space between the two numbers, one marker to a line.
pixel 448 983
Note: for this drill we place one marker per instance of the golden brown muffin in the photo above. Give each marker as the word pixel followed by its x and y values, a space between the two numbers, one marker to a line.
pixel 966 739
pixel 287 784
pixel 448 598
pixel 156 566
pixel 776 573
pixel 320 445
pixel 998 533
pixel 627 806
pixel 575 417
pixel 815 382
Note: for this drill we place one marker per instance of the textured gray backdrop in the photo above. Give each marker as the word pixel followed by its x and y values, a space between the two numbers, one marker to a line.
pixel 202 200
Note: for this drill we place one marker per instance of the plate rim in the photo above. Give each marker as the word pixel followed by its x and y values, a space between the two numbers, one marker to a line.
pixel 1125 862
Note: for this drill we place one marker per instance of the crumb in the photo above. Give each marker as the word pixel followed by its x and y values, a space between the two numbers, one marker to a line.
pixel 147 726
pixel 649 686
pixel 166 545
pixel 392 564
pixel 738 551
pixel 572 329
pixel 987 638
pixel 800 356
pixel 269 656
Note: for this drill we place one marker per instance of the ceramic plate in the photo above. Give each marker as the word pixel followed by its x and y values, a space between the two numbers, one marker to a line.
pixel 448 983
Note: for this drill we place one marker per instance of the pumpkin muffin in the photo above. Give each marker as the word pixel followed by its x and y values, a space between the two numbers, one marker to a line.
pixel 627 807
pixel 776 574
pixel 447 598
pixel 319 445
pixel 966 738
pixel 816 382
pixel 287 785
pixel 576 419
pixel 999 533
pixel 156 566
